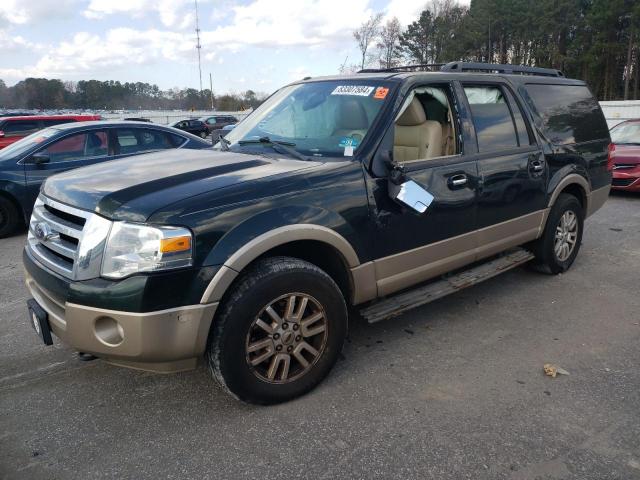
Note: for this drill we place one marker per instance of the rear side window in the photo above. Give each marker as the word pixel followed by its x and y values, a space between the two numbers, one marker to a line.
pixel 20 127
pixel 492 118
pixel 141 140
pixel 153 140
pixel 567 114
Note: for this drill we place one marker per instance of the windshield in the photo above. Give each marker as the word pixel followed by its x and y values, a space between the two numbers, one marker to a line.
pixel 21 146
pixel 626 133
pixel 320 119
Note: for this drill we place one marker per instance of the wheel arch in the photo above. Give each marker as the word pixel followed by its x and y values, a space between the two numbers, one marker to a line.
pixel 316 244
pixel 576 185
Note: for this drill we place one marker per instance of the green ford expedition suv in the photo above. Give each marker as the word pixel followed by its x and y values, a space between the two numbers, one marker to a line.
pixel 353 192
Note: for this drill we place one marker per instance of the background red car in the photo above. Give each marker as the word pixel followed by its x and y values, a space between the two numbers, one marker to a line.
pixel 625 154
pixel 13 129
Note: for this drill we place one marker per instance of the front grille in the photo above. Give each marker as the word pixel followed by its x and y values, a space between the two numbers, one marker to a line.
pixel 622 182
pixel 67 240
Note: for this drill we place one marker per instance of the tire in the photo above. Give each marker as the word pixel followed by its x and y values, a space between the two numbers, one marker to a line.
pixel 549 258
pixel 203 134
pixel 236 334
pixel 9 217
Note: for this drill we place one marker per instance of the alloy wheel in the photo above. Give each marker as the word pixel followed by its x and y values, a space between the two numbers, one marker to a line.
pixel 287 338
pixel 566 235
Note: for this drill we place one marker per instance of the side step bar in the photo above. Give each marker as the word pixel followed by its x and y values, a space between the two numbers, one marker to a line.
pixel 402 302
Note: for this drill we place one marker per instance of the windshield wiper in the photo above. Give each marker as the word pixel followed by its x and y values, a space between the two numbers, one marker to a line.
pixel 285 146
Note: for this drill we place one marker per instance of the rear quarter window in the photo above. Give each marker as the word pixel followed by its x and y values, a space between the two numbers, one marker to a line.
pixel 567 114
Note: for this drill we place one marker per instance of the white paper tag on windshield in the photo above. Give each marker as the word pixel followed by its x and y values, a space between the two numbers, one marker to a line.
pixel 359 90
pixel 348 151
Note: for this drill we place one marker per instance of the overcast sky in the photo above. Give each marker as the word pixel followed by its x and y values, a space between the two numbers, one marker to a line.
pixel 257 44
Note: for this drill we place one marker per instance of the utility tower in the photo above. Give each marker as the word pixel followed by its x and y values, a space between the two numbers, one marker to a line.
pixel 198 46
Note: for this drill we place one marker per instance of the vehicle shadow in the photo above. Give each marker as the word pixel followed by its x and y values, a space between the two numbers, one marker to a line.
pixel 633 196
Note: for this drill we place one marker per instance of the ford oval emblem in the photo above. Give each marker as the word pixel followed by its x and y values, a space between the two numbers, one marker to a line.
pixel 43 232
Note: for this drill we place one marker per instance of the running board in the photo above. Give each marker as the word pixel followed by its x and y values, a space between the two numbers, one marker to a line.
pixel 402 302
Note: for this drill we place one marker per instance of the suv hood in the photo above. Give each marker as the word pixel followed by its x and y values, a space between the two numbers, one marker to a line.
pixel 133 188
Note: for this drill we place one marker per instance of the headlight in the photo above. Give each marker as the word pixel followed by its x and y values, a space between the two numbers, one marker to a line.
pixel 133 248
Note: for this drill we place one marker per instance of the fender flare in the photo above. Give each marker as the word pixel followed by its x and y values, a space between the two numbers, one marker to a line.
pixel 570 179
pixel 269 240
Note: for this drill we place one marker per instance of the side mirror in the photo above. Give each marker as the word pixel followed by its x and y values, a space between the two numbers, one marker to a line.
pixel 410 194
pixel 40 158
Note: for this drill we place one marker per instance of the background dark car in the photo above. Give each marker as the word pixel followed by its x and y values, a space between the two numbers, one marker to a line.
pixel 15 128
pixel 195 127
pixel 27 163
pixel 218 122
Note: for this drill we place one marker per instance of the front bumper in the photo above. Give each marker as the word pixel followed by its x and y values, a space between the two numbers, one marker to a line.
pixel 628 180
pixel 166 340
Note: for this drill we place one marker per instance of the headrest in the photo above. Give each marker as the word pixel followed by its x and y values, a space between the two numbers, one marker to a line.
pixel 413 115
pixel 94 140
pixel 351 115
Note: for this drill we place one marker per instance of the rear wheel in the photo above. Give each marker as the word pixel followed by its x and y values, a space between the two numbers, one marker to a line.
pixel 279 332
pixel 9 217
pixel 560 243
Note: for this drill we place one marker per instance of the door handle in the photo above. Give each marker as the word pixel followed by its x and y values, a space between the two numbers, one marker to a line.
pixel 537 166
pixel 457 181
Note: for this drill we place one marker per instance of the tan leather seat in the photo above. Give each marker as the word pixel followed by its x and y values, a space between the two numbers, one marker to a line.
pixel 447 139
pixel 351 120
pixel 415 136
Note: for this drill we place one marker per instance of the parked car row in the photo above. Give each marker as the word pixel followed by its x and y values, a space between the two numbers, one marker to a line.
pixel 16 127
pixel 205 126
pixel 24 165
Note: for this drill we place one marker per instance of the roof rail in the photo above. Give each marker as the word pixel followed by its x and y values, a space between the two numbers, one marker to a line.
pixel 500 68
pixel 420 67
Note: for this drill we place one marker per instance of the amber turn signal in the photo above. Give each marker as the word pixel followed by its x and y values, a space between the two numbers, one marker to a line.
pixel 176 244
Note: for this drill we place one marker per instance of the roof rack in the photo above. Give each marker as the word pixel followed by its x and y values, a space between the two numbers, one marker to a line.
pixel 469 67
pixel 500 68
pixel 419 67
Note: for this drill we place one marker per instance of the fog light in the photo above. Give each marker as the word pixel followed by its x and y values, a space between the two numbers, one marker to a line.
pixel 109 331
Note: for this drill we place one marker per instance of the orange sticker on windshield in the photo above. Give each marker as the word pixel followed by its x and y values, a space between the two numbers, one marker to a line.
pixel 381 93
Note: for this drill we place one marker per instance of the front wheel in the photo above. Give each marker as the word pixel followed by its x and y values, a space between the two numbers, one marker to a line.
pixel 560 243
pixel 9 217
pixel 203 134
pixel 279 332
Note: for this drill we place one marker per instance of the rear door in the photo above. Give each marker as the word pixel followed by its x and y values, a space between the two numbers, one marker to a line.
pixel 512 170
pixel 71 151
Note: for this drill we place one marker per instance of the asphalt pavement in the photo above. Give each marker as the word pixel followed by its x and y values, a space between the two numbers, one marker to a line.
pixel 451 390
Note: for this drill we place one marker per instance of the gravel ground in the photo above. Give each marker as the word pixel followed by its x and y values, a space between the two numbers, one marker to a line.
pixel 454 389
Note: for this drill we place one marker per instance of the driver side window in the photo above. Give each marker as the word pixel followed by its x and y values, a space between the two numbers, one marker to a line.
pixel 78 147
pixel 425 127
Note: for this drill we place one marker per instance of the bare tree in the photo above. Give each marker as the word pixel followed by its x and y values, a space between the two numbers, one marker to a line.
pixel 389 44
pixel 366 34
